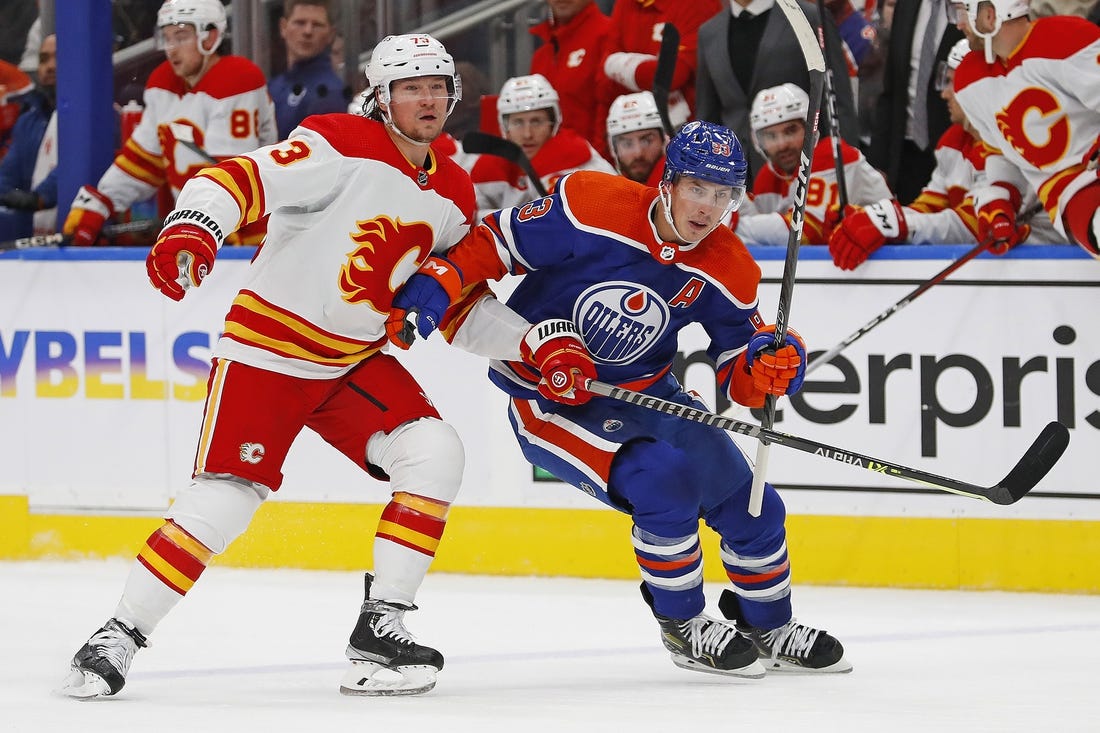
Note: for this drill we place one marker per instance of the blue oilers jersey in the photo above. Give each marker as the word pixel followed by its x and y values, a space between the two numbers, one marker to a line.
pixel 590 253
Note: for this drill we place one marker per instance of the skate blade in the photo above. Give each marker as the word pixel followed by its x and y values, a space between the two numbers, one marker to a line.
pixel 751 671
pixel 83 685
pixel 781 666
pixel 374 679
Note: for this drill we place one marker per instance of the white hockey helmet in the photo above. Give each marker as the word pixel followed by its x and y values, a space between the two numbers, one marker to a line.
pixel 406 57
pixel 632 112
pixel 527 93
pixel 1006 10
pixel 777 104
pixel 204 15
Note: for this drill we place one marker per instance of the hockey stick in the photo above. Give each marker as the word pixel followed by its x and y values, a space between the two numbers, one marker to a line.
pixel 924 287
pixel 56 239
pixel 482 143
pixel 185 136
pixel 662 77
pixel 1028 471
pixel 815 65
pixel 834 118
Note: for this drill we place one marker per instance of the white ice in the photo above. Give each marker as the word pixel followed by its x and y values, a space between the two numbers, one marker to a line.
pixel 257 650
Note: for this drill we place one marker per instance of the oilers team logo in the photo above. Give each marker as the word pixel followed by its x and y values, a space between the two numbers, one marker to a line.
pixel 611 425
pixel 619 320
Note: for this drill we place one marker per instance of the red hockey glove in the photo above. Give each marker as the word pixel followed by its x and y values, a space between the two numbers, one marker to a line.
pixel 833 217
pixel 865 230
pixel 776 372
pixel 997 224
pixel 426 295
pixel 89 210
pixel 181 258
pixel 555 348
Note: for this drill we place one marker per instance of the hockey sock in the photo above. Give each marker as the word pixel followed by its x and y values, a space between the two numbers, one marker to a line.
pixel 408 536
pixel 763 585
pixel 672 568
pixel 166 568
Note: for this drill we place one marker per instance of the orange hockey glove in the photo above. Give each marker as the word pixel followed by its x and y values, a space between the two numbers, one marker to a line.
pixel 555 348
pixel 426 295
pixel 776 371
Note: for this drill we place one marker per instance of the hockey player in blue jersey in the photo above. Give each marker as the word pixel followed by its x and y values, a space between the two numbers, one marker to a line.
pixel 613 270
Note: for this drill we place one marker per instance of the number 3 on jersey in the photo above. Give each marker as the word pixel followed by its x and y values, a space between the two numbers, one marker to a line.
pixel 292 151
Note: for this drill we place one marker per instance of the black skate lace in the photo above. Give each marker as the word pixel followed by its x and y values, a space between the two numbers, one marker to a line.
pixel 709 635
pixel 116 646
pixel 792 639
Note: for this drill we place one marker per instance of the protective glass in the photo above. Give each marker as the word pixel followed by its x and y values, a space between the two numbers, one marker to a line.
pixel 422 88
pixel 537 123
pixel 727 198
pixel 945 76
pixel 778 135
pixel 175 36
pixel 627 143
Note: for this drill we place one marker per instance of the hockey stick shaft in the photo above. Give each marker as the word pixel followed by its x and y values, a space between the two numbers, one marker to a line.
pixel 920 290
pixel 1028 471
pixel 662 77
pixel 834 118
pixel 482 143
pixel 815 65
pixel 56 239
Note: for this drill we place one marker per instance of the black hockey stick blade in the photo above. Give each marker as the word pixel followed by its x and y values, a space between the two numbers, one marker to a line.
pixel 662 77
pixel 1033 466
pixel 1028 471
pixel 482 143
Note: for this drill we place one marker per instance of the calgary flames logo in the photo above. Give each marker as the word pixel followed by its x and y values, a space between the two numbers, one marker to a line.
pixel 387 252
pixel 1043 109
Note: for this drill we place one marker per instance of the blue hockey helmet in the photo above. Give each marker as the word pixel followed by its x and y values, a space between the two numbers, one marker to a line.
pixel 708 152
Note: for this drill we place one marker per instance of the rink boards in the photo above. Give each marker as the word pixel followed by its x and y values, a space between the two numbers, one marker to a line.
pixel 102 382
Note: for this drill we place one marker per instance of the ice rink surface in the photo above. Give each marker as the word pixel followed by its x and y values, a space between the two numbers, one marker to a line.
pixel 257 650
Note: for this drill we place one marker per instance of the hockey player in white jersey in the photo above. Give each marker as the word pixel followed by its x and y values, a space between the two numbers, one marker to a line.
pixel 356 204
pixel 529 115
pixel 1034 96
pixel 195 98
pixel 778 120
pixel 943 213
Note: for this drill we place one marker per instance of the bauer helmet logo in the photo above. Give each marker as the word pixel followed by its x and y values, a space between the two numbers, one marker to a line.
pixel 252 452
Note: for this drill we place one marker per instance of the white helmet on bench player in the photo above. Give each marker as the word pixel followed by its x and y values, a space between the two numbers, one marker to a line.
pixel 525 94
pixel 777 104
pixel 1006 10
pixel 203 15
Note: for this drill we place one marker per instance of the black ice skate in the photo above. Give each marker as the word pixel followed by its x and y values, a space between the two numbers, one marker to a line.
pixel 100 666
pixel 704 644
pixel 385 660
pixel 793 647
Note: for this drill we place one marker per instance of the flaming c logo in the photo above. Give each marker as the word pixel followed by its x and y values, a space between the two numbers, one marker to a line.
pixel 1041 107
pixel 387 252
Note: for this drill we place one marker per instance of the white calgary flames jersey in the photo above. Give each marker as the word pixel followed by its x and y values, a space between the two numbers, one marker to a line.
pixel 500 183
pixel 350 220
pixel 227 113
pixel 773 196
pixel 943 213
pixel 1041 109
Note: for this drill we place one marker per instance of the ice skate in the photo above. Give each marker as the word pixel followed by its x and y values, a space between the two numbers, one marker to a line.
pixel 793 647
pixel 385 660
pixel 704 644
pixel 100 666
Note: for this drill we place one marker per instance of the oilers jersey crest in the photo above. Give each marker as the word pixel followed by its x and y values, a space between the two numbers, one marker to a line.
pixel 591 253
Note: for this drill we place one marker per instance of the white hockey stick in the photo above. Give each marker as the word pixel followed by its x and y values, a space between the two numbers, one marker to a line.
pixel 815 65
